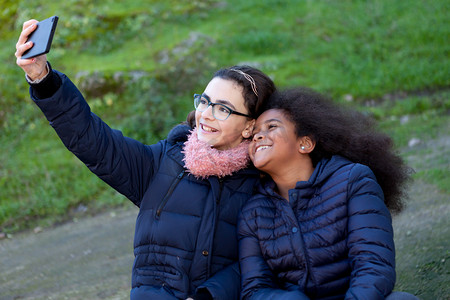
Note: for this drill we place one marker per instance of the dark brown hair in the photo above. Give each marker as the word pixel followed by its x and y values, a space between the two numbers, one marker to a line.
pixel 338 130
pixel 265 87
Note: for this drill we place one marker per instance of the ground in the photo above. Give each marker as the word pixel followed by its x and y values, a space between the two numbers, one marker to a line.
pixel 87 259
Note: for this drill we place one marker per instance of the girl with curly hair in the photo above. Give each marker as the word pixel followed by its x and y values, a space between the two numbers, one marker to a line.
pixel 319 226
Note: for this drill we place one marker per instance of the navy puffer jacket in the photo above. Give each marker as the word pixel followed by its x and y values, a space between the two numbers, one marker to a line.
pixel 332 240
pixel 186 235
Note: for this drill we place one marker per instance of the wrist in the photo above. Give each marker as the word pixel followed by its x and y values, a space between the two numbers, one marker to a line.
pixel 36 78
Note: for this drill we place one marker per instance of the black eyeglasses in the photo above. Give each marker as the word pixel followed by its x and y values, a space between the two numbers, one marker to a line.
pixel 219 111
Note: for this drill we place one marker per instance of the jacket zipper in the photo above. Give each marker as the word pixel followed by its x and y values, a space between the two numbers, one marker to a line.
pixel 169 193
pixel 220 190
pixel 216 221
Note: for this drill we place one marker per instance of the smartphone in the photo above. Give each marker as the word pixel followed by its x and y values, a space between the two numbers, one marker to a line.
pixel 41 37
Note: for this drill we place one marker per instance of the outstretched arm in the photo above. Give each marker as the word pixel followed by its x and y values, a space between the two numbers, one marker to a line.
pixel 123 163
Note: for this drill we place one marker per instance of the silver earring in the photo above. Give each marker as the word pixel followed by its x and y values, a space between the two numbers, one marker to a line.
pixel 302 147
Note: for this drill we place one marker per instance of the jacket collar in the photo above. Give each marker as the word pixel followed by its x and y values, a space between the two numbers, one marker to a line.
pixel 324 169
pixel 176 137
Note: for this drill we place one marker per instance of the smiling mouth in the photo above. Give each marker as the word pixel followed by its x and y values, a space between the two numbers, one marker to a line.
pixel 207 128
pixel 260 148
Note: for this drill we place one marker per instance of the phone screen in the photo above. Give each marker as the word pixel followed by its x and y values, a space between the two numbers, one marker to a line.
pixel 41 37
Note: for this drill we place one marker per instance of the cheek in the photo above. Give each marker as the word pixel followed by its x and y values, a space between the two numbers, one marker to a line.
pixel 251 146
pixel 234 127
pixel 197 117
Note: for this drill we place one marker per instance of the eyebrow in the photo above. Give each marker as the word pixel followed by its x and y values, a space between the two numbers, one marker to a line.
pixel 273 120
pixel 224 102
pixel 267 121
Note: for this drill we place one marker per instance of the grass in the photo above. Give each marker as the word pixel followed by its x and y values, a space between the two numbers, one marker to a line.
pixel 416 120
pixel 342 48
pixel 50 187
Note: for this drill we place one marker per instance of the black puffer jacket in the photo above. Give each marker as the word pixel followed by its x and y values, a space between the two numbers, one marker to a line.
pixel 186 228
pixel 332 240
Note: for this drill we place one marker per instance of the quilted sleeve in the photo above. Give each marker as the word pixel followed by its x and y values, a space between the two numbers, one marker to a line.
pixel 123 163
pixel 370 238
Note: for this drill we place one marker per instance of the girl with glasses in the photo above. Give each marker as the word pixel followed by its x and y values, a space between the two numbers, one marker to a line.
pixel 319 227
pixel 189 187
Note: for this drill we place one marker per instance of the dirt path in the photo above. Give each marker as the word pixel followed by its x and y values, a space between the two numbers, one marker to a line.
pixel 88 259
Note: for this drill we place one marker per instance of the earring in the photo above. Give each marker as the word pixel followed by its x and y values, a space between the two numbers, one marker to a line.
pixel 302 147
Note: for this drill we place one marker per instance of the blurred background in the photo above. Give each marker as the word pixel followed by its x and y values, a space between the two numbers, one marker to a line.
pixel 138 64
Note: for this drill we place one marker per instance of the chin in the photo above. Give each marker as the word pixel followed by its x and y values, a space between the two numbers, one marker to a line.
pixel 265 166
pixel 208 140
pixel 205 140
pixel 259 165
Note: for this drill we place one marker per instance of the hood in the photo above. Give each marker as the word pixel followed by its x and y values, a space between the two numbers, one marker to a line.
pixel 178 134
pixel 324 169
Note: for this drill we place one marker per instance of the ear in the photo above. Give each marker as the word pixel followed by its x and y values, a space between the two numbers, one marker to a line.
pixel 247 132
pixel 306 145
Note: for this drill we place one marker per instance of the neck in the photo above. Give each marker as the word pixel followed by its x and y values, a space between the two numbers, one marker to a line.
pixel 287 178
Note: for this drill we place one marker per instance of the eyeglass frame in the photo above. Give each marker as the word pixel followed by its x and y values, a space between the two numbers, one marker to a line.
pixel 232 112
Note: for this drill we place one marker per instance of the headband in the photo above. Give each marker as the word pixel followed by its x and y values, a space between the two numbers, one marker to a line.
pixel 249 78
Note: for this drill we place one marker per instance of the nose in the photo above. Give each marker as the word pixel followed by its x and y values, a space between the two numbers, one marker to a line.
pixel 258 136
pixel 207 113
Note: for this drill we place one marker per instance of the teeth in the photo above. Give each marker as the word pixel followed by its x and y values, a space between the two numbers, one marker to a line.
pixel 262 148
pixel 208 129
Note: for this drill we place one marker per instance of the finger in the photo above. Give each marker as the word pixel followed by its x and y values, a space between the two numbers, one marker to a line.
pixel 25 33
pixel 25 62
pixel 28 23
pixel 22 48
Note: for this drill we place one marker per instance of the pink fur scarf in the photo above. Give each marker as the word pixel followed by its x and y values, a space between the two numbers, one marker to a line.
pixel 202 160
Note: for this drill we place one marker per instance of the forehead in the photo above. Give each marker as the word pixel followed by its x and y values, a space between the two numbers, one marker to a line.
pixel 224 89
pixel 272 115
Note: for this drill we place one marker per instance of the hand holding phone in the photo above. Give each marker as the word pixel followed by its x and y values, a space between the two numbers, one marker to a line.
pixel 41 37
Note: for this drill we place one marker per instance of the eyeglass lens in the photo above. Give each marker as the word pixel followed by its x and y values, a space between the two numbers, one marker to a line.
pixel 219 111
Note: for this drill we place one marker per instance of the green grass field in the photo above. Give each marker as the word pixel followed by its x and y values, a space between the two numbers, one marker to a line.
pixel 139 62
